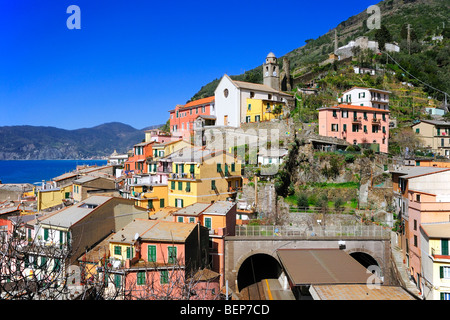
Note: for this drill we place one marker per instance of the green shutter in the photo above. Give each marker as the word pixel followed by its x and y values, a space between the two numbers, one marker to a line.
pixel 172 254
pixel 180 185
pixel 172 185
pixel 141 278
pixel 441 272
pixel 161 203
pixel 118 250
pixel 45 234
pixel 151 253
pixel 444 247
pixel 233 167
pixel 164 276
pixel 128 253
pixel 208 223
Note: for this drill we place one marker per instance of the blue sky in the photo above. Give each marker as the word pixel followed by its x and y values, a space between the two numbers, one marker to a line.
pixel 132 61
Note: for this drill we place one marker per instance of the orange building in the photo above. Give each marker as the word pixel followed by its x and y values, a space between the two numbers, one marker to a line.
pixel 183 116
pixel 220 219
pixel 152 255
pixel 137 162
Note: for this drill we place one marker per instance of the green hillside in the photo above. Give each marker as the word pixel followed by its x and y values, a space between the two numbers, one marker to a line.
pixel 425 60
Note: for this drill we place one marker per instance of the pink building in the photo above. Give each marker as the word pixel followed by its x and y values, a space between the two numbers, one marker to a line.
pixel 356 124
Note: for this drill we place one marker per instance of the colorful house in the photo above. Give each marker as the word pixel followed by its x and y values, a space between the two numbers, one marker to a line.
pixel 220 219
pixel 202 175
pixel 356 125
pixel 137 163
pixel 183 116
pixel 150 255
pixel 152 196
pixel 87 186
pixel 435 135
pixel 435 280
pixel 369 97
pixel 263 110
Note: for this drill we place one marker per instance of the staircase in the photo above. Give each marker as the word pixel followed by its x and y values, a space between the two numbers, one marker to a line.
pixel 402 273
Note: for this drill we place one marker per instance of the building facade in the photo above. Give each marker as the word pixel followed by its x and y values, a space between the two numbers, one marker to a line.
pixel 356 125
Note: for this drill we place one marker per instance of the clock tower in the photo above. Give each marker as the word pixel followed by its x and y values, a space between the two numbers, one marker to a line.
pixel 271 72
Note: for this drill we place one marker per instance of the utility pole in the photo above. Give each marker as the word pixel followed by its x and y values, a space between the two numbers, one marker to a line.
pixel 409 39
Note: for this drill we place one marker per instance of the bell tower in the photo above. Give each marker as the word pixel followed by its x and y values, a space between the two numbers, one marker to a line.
pixel 271 72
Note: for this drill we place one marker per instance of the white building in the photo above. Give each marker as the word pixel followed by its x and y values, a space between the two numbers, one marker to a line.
pixel 231 96
pixel 367 97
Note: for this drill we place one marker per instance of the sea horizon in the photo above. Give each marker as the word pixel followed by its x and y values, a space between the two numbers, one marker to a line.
pixel 36 170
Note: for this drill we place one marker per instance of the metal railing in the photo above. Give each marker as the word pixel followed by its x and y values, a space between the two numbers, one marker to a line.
pixel 341 232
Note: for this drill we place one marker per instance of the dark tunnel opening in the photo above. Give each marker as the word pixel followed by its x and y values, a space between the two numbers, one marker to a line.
pixel 256 268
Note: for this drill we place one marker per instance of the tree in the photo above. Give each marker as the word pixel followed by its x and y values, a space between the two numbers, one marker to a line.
pixel 404 139
pixel 302 201
pixel 383 36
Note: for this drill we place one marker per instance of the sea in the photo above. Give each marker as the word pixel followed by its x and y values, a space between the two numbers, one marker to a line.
pixel 34 171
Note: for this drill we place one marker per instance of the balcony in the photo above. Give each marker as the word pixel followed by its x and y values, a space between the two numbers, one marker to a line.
pixel 376 121
pixel 182 176
pixel 357 120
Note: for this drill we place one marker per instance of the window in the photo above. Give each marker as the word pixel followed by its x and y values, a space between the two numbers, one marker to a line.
pixel 415 241
pixel 355 115
pixel 445 295
pixel 191 220
pixel 180 219
pixel 164 277
pixel 374 129
pixel 45 234
pixel 118 280
pixel 383 117
pixel 444 272
pixel 179 203
pixel 334 127
pixel 344 114
pixel 257 118
pixel 118 250
pixel 151 253
pixel 140 278
pixel 444 247
pixel 334 113
pixel 130 252
pixel 355 127
pixel 219 167
pixel 172 185
pixel 161 203
pixel 180 185
pixel 249 108
pixel 365 115
pixel 248 119
pixel 171 254
pixel 365 129
pixel 208 222
pixel 415 224
pixel 233 167
pixel 188 187
pixel 384 129
pixel 417 198
pixel 213 184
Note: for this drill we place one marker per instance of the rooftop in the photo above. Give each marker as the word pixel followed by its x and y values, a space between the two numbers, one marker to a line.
pixel 411 172
pixel 437 230
pixel 321 266
pixel 71 215
pixel 153 230
pixel 358 292
pixel 352 107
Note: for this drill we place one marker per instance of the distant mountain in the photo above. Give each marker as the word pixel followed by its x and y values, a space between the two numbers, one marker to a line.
pixel 36 142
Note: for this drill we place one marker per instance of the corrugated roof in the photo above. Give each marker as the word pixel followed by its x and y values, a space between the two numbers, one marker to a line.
pixel 359 292
pixel 321 266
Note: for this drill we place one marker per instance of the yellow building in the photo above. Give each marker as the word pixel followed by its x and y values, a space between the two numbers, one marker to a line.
pixel 262 110
pixel 49 198
pixel 152 197
pixel 202 175
pixel 435 279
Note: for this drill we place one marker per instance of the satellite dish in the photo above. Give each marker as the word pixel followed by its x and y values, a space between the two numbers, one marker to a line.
pixel 136 236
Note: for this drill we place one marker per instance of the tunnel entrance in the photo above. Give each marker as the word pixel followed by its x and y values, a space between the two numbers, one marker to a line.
pixel 364 259
pixel 256 268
